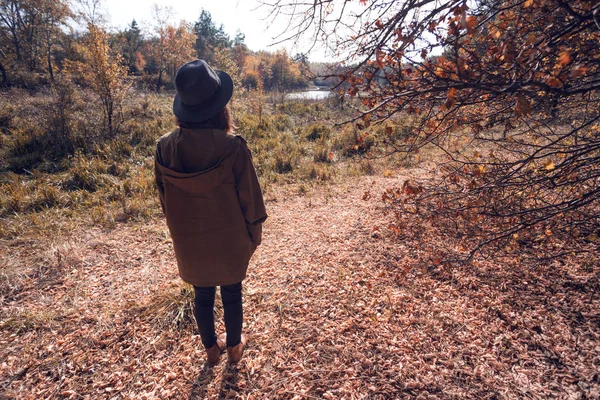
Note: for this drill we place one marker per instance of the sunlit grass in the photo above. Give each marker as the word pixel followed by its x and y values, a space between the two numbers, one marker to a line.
pixel 106 181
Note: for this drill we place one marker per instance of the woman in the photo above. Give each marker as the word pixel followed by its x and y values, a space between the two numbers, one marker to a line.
pixel 212 201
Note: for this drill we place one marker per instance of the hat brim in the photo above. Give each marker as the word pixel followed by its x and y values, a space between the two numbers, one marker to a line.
pixel 203 112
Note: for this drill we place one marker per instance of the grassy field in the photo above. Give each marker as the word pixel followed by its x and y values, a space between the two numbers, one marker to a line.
pixel 58 168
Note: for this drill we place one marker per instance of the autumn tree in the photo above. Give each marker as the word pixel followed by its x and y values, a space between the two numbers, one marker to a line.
pixel 29 32
pixel 301 59
pixel 179 43
pixel 507 90
pixel 19 26
pixel 172 46
pixel 281 71
pixel 240 51
pixel 101 68
pixel 159 47
pixel 132 41
pixel 276 71
pixel 225 60
pixel 53 17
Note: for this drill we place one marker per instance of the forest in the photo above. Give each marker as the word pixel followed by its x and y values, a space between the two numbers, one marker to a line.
pixel 42 40
pixel 434 223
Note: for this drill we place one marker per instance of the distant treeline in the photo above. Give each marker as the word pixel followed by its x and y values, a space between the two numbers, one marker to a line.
pixel 41 40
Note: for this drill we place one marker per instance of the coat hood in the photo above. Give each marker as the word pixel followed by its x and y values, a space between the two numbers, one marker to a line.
pixel 202 181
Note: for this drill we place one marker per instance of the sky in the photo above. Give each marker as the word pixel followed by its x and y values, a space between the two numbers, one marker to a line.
pixel 245 15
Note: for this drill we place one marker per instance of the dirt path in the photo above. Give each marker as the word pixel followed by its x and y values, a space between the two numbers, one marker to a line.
pixel 332 310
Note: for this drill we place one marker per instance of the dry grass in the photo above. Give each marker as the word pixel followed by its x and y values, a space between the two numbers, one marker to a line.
pixel 109 180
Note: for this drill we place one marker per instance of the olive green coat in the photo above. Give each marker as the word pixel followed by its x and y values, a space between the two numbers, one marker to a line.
pixel 210 195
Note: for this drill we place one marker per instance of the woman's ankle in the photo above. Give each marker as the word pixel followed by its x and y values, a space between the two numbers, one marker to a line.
pixel 210 342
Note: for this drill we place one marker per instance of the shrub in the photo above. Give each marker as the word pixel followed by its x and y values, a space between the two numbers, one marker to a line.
pixel 48 196
pixel 132 209
pixel 173 310
pixel 281 122
pixel 14 195
pixel 317 131
pixel 102 70
pixel 323 152
pixel 319 173
pixel 62 107
pixel 249 126
pixel 283 162
pixel 86 174
pixel 353 141
pixel 296 107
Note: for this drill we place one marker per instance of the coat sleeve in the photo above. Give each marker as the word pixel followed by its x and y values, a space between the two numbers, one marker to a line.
pixel 158 178
pixel 249 193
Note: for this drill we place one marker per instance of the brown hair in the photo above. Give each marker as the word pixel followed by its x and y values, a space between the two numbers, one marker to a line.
pixel 221 120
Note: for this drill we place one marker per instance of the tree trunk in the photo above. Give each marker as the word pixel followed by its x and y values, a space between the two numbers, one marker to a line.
pixel 159 81
pixel 17 46
pixel 109 111
pixel 49 56
pixel 4 82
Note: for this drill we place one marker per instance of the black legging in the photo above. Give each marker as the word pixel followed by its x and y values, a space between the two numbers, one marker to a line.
pixel 204 304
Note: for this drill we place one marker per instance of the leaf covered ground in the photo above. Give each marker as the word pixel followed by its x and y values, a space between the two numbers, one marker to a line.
pixel 335 308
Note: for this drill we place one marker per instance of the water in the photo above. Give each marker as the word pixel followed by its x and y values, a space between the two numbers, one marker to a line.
pixel 309 95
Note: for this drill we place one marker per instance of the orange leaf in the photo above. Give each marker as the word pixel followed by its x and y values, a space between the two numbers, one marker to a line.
pixel 528 3
pixel 564 58
pixel 379 55
pixel 554 82
pixel 451 93
pixel 471 24
pixel 479 170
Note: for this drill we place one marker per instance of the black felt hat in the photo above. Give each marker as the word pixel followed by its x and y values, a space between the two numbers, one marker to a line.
pixel 201 91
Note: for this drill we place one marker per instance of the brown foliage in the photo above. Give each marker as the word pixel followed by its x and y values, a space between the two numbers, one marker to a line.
pixel 508 90
pixel 102 70
pixel 173 46
pixel 30 32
